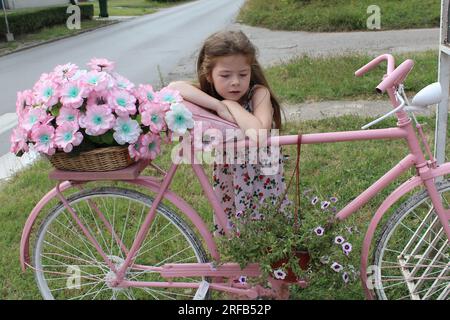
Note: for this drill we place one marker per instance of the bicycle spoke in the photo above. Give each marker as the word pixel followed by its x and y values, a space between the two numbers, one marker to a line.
pixel 86 243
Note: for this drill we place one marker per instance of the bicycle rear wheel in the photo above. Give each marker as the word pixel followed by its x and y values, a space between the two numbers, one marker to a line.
pixel 68 266
pixel 412 254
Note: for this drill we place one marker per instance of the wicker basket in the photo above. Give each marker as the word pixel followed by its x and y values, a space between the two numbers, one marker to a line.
pixel 98 160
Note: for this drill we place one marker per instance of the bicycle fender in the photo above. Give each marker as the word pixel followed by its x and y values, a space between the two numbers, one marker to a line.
pixel 405 188
pixel 25 240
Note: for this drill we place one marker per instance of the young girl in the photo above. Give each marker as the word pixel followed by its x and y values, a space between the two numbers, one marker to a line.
pixel 232 84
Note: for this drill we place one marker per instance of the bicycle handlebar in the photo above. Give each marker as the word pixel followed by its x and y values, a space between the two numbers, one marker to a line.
pixel 375 62
pixel 396 77
pixel 393 77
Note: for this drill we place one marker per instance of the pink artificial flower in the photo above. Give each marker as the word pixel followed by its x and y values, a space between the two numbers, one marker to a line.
pixel 168 96
pixel 24 99
pixel 43 136
pixel 73 94
pixel 97 81
pixel 47 93
pixel 145 93
pixel 98 98
pixel 68 115
pixel 133 149
pixel 153 116
pixel 101 64
pixel 126 130
pixel 68 136
pixel 123 103
pixel 32 116
pixel 122 82
pixel 65 71
pixel 150 146
pixel 19 140
pixel 97 120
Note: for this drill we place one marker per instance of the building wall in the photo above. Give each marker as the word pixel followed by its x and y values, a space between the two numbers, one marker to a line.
pixel 18 4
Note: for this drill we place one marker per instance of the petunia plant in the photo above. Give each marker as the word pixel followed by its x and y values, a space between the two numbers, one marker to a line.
pixel 72 110
pixel 288 247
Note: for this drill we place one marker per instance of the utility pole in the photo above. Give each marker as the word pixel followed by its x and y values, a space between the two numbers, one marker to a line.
pixel 9 35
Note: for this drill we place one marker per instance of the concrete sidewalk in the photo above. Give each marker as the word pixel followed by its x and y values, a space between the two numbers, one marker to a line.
pixel 327 109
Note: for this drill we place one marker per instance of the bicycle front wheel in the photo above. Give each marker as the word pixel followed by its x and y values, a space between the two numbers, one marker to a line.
pixel 68 266
pixel 412 255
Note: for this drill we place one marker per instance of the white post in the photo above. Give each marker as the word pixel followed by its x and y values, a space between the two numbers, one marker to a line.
pixel 443 78
pixel 9 35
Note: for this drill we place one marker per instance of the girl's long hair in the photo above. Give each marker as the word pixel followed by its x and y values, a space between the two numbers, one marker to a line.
pixel 227 43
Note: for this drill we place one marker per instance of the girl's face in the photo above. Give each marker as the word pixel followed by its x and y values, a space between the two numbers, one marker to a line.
pixel 231 76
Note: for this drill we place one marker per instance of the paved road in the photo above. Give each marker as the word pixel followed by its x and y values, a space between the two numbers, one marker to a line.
pixel 277 47
pixel 138 47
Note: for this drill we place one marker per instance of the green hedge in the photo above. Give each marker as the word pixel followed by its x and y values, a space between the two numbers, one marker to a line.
pixel 28 21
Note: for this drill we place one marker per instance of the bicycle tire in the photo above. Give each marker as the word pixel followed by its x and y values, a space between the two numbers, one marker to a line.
pixel 422 269
pixel 59 228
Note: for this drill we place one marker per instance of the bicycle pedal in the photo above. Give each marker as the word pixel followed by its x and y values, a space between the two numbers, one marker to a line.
pixel 202 290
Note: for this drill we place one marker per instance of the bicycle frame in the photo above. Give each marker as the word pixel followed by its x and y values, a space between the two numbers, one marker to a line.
pixel 426 170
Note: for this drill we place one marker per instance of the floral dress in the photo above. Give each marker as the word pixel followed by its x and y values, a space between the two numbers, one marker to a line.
pixel 245 186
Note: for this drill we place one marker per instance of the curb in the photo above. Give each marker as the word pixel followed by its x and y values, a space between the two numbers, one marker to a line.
pixel 59 38
pixel 12 164
pixel 7 122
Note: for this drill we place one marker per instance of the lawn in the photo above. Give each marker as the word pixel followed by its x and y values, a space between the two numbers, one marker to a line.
pixel 332 78
pixel 323 15
pixel 134 7
pixel 339 169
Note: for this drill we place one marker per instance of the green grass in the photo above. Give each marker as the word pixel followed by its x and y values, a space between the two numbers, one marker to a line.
pixel 133 7
pixel 332 78
pixel 339 15
pixel 341 169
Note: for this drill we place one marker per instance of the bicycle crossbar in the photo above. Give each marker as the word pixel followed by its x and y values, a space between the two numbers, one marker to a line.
pixel 327 137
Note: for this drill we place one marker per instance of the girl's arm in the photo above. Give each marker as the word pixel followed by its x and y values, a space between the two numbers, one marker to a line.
pixel 262 116
pixel 198 97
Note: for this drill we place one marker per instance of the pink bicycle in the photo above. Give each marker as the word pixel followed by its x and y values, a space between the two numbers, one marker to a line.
pixel 114 242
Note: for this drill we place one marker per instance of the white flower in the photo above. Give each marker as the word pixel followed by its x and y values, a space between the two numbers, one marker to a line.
pixel 324 205
pixel 345 277
pixel 336 267
pixel 179 119
pixel 347 247
pixel 126 131
pixel 242 279
pixel 319 231
pixel 279 274
pixel 339 240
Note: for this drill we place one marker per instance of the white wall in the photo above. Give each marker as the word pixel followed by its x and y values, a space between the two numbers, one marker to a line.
pixel 18 4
